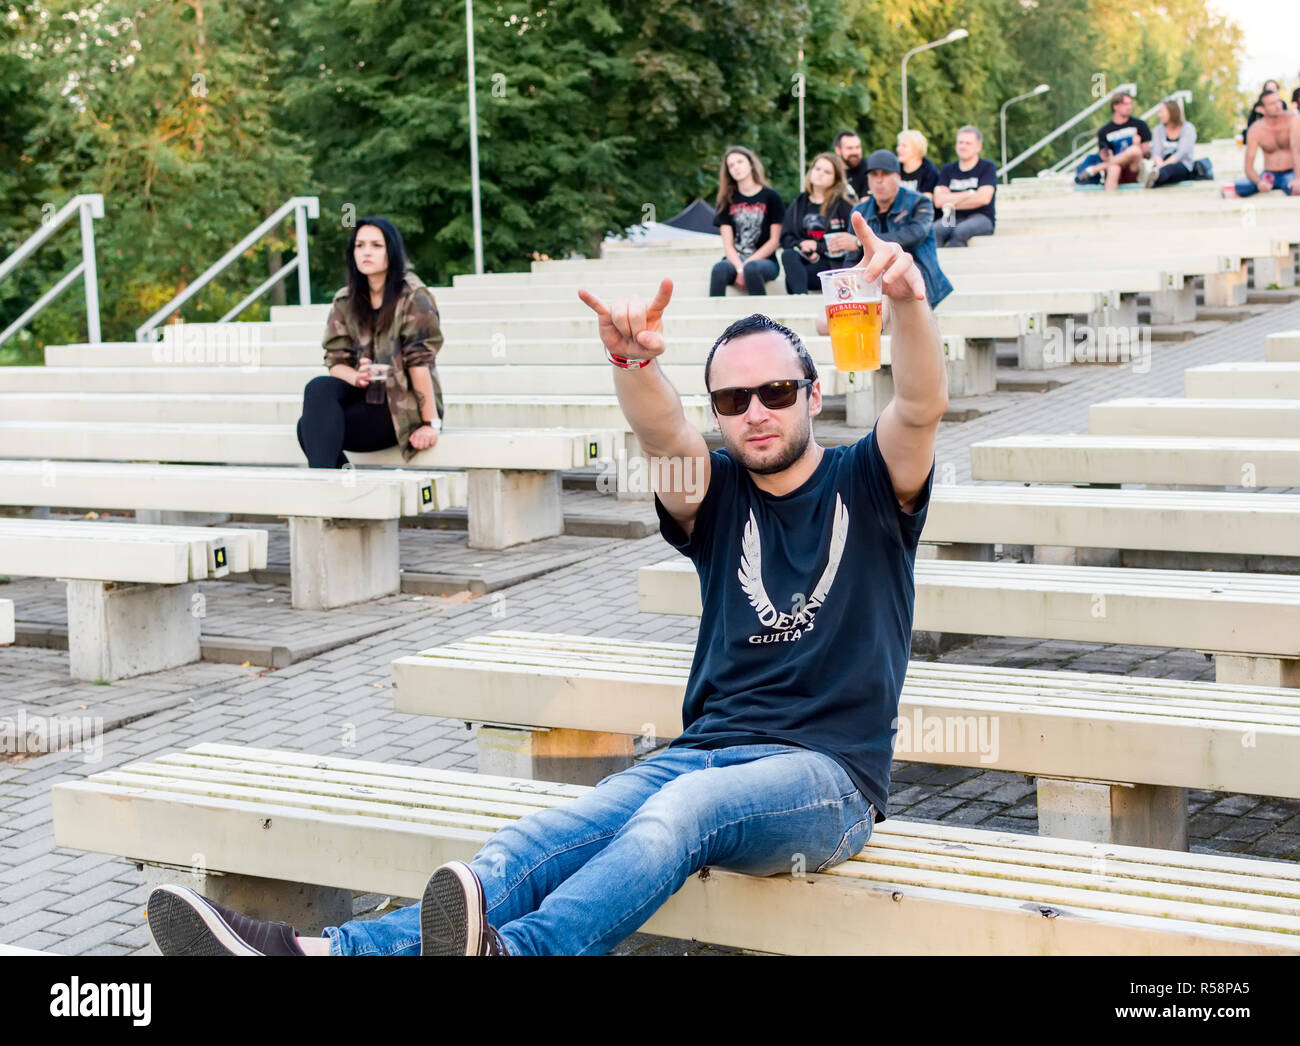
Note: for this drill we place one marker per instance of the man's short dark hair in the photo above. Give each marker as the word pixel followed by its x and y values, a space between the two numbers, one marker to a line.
pixel 1118 97
pixel 839 138
pixel 756 323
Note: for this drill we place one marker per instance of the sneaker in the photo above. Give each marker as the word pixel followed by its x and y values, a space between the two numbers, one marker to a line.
pixel 1152 174
pixel 183 922
pixel 453 914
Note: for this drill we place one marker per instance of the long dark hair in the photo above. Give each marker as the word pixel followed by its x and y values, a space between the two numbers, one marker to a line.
pixel 727 185
pixel 359 283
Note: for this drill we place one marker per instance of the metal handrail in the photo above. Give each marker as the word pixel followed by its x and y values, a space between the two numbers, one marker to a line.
pixel 88 206
pixel 1078 151
pixel 1083 114
pixel 303 207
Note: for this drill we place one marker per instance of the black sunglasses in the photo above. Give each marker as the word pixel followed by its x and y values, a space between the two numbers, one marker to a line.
pixel 774 396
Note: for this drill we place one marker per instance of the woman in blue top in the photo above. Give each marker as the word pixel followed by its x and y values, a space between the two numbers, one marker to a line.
pixel 1172 143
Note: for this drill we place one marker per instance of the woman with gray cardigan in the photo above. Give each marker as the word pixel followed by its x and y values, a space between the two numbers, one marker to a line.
pixel 1172 143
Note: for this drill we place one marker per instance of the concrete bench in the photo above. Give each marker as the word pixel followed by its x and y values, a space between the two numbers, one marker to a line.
pixel 343 524
pixel 1218 461
pixel 1282 347
pixel 289 836
pixel 1244 380
pixel 6 621
pixel 1114 756
pixel 513 474
pixel 1096 527
pixel 1249 622
pixel 132 603
pixel 1256 418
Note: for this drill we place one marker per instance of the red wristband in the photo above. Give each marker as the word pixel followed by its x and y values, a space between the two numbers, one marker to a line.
pixel 625 363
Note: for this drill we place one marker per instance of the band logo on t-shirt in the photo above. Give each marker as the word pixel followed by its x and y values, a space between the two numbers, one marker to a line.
pixel 788 626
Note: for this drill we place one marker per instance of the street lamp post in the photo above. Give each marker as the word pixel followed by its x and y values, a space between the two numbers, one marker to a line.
pixel 956 34
pixel 1002 116
pixel 475 200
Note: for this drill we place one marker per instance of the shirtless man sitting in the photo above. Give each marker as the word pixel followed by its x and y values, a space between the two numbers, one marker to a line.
pixel 1277 134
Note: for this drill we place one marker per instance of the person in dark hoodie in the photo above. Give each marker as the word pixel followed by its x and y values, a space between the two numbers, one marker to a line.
pixel 815 235
pixel 906 217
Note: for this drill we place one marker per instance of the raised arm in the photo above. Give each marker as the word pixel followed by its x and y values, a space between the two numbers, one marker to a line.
pixel 679 458
pixel 909 424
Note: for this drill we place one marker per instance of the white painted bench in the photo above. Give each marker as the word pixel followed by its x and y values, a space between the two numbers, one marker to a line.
pixel 1218 461
pixel 1114 756
pixel 6 621
pixel 969 519
pixel 1244 380
pixel 264 823
pixel 1156 416
pixel 1250 622
pixel 343 524
pixel 132 603
pixel 513 475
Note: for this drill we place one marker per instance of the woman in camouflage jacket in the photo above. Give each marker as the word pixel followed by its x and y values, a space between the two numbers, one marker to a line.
pixel 385 315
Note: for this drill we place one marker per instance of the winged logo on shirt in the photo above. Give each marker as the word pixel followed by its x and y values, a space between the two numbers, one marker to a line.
pixel 751 576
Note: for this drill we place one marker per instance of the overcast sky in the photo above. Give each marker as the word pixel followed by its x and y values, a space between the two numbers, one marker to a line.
pixel 1272 31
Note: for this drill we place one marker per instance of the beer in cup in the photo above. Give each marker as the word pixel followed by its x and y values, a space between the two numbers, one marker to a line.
pixel 853 316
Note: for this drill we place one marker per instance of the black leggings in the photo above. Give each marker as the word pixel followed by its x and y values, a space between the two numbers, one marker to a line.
pixel 336 417
pixel 1172 172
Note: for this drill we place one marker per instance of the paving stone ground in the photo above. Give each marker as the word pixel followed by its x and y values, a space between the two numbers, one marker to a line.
pixel 340 702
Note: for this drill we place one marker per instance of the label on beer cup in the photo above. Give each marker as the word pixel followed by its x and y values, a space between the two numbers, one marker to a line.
pixel 852 306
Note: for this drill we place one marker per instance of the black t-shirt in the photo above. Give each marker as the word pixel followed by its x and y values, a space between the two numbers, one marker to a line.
pixel 923 179
pixel 983 173
pixel 807 612
pixel 858 178
pixel 1119 136
pixel 751 218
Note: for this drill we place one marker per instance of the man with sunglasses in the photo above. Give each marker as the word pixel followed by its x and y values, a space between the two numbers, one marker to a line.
pixel 805 556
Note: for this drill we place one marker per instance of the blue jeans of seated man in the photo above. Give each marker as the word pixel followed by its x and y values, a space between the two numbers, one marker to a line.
pixel 957 234
pixel 1281 183
pixel 757 273
pixel 578 878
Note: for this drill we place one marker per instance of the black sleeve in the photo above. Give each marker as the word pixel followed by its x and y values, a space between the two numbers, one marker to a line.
pixel 988 175
pixel 696 546
pixel 1144 132
pixel 1102 144
pixel 722 216
pixel 927 177
pixel 790 234
pixel 775 209
pixel 945 174
pixel 902 525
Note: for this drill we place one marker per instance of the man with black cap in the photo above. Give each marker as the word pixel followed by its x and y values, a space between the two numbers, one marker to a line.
pixel 904 216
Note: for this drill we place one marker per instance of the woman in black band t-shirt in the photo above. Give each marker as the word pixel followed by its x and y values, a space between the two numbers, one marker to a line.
pixel 749 214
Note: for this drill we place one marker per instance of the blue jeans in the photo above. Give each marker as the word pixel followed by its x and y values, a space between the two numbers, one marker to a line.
pixel 1281 182
pixel 578 878
pixel 957 234
pixel 757 273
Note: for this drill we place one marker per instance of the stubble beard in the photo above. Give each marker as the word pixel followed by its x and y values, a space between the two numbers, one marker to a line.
pixel 795 446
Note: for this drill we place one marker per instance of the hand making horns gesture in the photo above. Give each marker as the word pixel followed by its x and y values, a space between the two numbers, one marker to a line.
pixel 632 328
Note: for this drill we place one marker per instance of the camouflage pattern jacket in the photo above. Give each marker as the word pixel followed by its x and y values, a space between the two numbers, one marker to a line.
pixel 412 339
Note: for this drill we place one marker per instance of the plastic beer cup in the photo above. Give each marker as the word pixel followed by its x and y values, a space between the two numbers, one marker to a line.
pixel 853 316
pixel 377 391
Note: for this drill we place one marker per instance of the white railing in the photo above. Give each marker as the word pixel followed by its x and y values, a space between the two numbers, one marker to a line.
pixel 88 206
pixel 1082 114
pixel 302 208
pixel 1079 151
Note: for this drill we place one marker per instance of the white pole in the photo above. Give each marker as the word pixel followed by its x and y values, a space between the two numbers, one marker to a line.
pixel 956 34
pixel 475 200
pixel 300 233
pixel 803 146
pixel 91 276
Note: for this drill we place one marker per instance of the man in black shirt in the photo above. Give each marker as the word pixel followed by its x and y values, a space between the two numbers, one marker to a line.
pixel 1123 144
pixel 848 147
